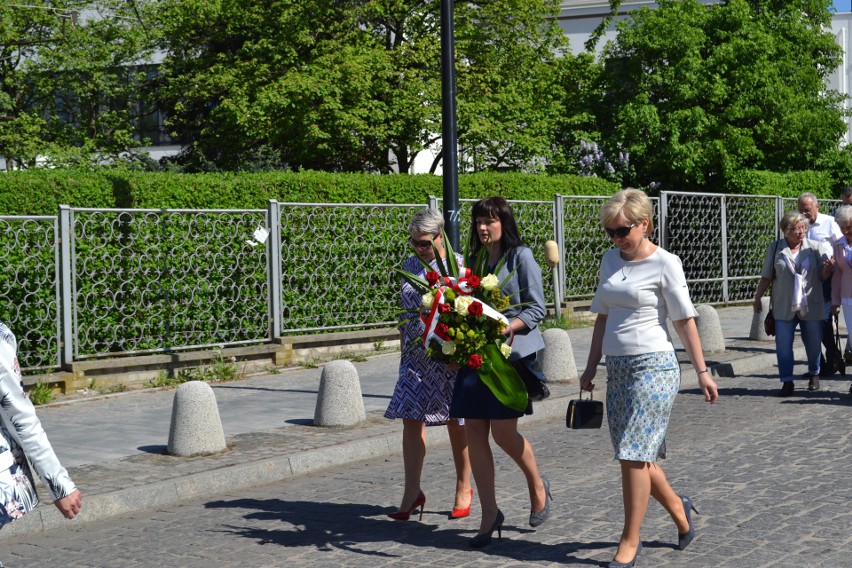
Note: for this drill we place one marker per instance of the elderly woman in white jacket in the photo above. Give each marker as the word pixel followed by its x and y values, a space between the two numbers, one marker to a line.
pixel 23 440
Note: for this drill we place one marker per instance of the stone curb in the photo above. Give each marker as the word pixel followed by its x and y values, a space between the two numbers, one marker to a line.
pixel 103 506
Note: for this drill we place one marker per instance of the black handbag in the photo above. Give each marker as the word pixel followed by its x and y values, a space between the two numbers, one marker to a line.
pixel 769 323
pixel 530 373
pixel 584 413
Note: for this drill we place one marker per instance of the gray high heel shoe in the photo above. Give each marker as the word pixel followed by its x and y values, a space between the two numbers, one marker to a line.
pixel 630 564
pixel 683 539
pixel 537 518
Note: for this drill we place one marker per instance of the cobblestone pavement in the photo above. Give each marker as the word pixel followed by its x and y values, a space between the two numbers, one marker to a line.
pixel 769 475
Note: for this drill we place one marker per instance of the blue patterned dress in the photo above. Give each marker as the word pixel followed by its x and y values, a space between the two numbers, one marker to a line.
pixel 425 387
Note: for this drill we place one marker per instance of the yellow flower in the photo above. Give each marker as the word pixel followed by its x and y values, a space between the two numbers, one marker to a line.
pixel 490 282
pixel 506 350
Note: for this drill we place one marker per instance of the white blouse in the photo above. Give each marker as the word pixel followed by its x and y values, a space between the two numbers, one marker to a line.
pixel 637 296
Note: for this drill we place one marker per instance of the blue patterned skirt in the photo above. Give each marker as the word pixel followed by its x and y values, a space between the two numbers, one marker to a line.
pixel 640 392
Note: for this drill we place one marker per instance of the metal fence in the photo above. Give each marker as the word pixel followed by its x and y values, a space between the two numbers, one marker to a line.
pixel 93 283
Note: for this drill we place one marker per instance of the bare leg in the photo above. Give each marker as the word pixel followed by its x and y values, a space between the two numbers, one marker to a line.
pixel 636 491
pixel 482 465
pixel 413 454
pixel 662 491
pixel 461 459
pixel 517 447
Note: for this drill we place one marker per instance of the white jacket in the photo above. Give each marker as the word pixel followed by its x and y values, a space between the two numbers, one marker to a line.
pixel 20 428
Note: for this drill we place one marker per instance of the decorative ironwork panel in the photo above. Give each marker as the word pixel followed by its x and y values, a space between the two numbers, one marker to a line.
pixel 337 264
pixel 752 226
pixel 585 245
pixel 154 280
pixel 694 233
pixel 29 294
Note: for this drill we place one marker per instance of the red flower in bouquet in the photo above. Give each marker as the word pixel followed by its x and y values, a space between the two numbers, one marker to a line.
pixel 475 309
pixel 474 361
pixel 444 308
pixel 432 277
pixel 473 281
pixel 442 331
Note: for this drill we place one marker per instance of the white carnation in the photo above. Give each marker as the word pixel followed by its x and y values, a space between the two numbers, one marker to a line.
pixel 448 348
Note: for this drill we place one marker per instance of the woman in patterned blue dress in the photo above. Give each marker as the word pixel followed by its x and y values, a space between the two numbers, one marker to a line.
pixel 425 387
pixel 640 284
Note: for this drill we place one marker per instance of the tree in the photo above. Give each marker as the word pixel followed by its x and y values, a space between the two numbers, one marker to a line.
pixel 355 85
pixel 68 80
pixel 695 92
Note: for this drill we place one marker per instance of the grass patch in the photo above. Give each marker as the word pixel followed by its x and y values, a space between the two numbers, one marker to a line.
pixel 567 322
pixel 41 393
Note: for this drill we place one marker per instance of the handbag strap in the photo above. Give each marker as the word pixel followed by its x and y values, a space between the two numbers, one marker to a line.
pixel 591 395
pixel 773 271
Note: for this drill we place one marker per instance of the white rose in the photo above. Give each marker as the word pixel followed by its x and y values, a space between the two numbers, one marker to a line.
pixel 427 300
pixel 448 348
pixel 506 350
pixel 462 304
pixel 490 282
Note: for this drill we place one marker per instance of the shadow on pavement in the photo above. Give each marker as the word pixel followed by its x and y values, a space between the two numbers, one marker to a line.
pixel 335 526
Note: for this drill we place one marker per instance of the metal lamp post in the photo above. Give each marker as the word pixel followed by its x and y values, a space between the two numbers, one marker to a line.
pixel 448 121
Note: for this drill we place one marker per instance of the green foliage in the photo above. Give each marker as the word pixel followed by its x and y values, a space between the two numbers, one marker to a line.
pixel 219 371
pixel 355 86
pixel 791 184
pixel 567 322
pixel 697 92
pixel 41 393
pixel 70 85
pixel 39 192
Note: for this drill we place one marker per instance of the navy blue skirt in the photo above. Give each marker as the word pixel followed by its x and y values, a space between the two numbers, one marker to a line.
pixel 472 399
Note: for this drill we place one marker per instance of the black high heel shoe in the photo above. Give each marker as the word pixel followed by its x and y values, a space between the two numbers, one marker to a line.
pixel 630 564
pixel 484 539
pixel 683 539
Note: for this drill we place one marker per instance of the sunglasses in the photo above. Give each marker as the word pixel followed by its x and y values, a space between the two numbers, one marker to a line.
pixel 620 232
pixel 420 244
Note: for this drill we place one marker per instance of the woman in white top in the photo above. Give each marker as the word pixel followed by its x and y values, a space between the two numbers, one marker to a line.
pixel 640 285
pixel 23 442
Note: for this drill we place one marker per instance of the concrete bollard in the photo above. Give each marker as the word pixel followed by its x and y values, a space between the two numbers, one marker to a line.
pixel 196 428
pixel 757 333
pixel 556 360
pixel 709 329
pixel 339 400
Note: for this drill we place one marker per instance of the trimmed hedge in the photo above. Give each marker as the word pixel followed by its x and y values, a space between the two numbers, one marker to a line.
pixel 39 192
pixel 790 184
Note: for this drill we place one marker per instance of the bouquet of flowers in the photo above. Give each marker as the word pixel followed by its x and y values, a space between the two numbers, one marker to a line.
pixel 463 324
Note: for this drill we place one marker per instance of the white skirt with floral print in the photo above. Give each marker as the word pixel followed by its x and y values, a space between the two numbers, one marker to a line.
pixel 640 392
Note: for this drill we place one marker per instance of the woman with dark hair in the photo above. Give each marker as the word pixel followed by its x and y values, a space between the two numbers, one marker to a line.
pixel 493 227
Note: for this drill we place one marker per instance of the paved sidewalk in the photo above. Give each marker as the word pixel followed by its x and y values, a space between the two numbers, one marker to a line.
pixel 114 446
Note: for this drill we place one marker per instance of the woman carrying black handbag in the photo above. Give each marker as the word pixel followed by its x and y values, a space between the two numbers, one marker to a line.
pixel 640 286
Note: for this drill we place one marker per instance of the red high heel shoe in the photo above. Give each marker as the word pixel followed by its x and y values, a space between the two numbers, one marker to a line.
pixel 405 515
pixel 462 513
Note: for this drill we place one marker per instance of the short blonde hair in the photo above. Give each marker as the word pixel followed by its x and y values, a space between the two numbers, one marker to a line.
pixel 791 219
pixel 633 204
